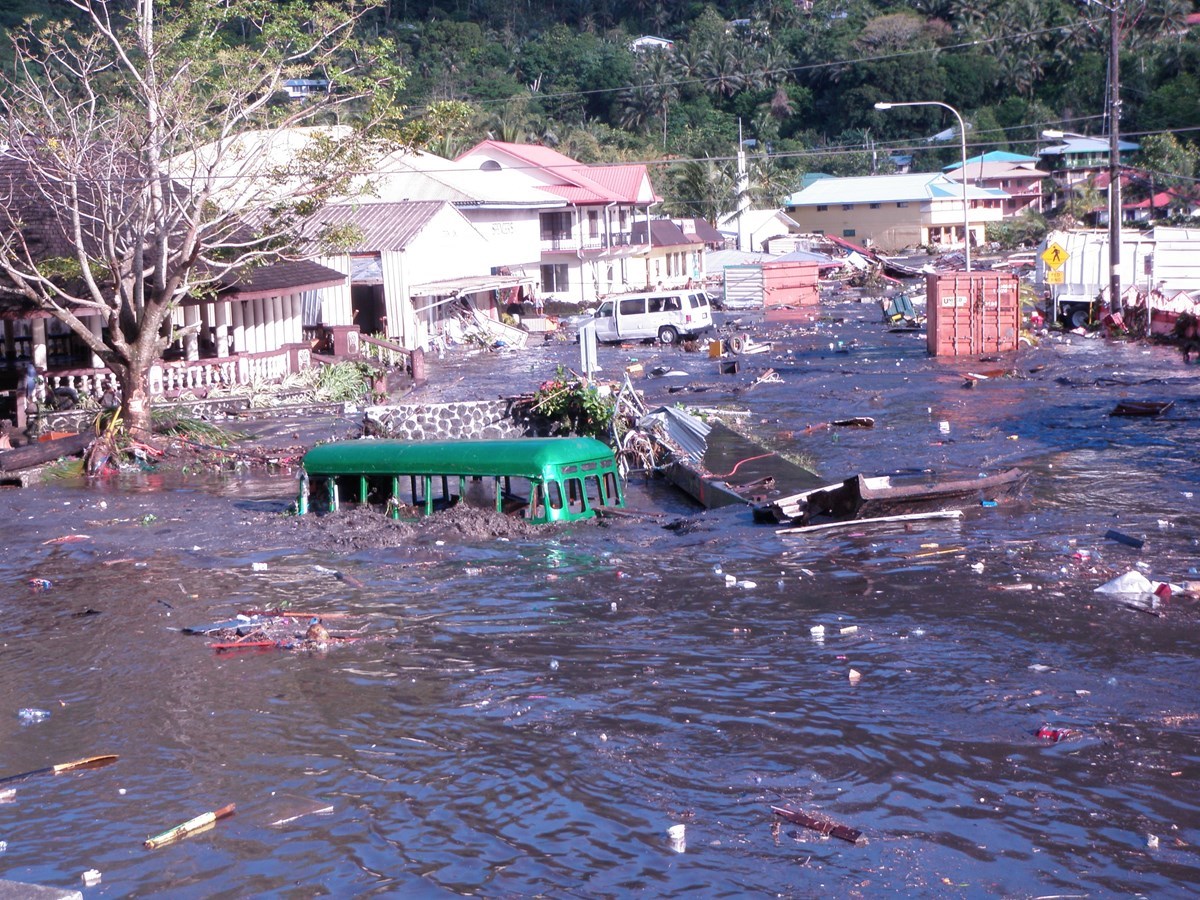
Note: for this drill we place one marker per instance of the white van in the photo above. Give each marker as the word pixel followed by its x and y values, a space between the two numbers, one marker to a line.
pixel 666 315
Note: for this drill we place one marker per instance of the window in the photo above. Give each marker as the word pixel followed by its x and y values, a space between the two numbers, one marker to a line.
pixel 847 232
pixel 556 226
pixel 554 278
pixel 903 204
pixel 633 306
pixel 672 304
pixel 876 205
pixel 821 207
pixel 846 206
pixel 554 495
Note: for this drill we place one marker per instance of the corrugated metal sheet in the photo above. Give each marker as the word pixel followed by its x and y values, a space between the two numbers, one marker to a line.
pixel 381 226
pixel 687 434
pixel 885 189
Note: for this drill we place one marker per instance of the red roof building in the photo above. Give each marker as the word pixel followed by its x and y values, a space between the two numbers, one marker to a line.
pixel 587 248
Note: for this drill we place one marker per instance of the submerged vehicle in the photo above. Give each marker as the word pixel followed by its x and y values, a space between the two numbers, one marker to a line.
pixel 539 479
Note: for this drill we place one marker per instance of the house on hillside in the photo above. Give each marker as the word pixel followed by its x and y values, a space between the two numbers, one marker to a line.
pixel 893 212
pixel 1077 160
pixel 586 247
pixel 1013 173
pixel 650 42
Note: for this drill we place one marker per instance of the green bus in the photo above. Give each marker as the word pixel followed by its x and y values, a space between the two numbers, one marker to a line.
pixel 540 479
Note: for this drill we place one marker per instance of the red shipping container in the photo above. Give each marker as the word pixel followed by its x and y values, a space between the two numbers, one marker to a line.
pixel 790 291
pixel 972 313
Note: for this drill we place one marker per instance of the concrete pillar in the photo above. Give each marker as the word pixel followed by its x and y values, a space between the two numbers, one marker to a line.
pixel 237 310
pixel 221 331
pixel 191 336
pixel 37 343
pixel 258 316
pixel 278 333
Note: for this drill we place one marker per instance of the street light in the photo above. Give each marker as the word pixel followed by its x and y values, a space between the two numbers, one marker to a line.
pixel 962 134
pixel 1114 208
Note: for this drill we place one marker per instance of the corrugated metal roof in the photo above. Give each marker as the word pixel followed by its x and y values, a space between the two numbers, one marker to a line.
pixel 992 156
pixel 577 182
pixel 885 189
pixel 282 278
pixel 1084 145
pixel 382 226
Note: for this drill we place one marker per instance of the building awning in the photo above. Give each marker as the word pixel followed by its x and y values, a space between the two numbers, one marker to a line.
pixel 453 287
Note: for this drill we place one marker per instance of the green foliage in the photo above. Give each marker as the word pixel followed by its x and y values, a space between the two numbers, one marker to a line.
pixel 343 381
pixel 1027 229
pixel 569 405
pixel 198 431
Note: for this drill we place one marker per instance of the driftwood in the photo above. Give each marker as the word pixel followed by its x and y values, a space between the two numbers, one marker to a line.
pixel 822 826
pixel 40 452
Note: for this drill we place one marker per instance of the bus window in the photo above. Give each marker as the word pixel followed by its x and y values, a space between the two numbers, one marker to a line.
pixel 594 498
pixel 611 493
pixel 554 495
pixel 575 498
pixel 537 503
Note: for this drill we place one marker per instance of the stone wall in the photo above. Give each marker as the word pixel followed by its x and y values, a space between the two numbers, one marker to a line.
pixel 447 421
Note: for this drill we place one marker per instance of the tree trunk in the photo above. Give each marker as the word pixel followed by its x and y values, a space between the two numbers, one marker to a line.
pixel 135 401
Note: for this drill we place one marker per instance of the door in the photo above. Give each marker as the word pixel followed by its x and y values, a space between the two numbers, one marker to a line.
pixel 631 319
pixel 605 322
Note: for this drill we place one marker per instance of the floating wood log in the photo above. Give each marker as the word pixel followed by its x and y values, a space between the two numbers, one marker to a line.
pixel 822 826
pixel 40 452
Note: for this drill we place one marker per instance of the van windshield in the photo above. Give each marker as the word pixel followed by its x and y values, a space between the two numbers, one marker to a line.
pixel 605 311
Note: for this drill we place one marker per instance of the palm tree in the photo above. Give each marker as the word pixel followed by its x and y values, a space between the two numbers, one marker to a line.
pixel 700 188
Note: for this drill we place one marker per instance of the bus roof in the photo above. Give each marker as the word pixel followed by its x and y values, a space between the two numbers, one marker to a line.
pixel 523 457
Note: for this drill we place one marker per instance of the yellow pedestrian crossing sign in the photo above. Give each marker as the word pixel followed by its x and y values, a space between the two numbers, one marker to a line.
pixel 1055 255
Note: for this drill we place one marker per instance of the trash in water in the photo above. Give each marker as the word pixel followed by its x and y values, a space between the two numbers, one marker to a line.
pixel 747 585
pixel 287 808
pixel 1130 583
pixel 1152 842
pixel 91 877
pixel 678 837
pixel 855 676
pixel 822 826
pixel 198 823
pixel 817 631
pixel 1047 733
pixel 8 795
pixel 849 629
pixel 29 715
pixel 1135 543
pixel 40 584
pixel 258 567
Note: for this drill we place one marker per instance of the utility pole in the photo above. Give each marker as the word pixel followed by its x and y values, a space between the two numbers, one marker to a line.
pixel 1114 158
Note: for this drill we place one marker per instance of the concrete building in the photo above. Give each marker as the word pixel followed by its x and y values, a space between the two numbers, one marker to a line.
pixel 586 248
pixel 1013 173
pixel 893 212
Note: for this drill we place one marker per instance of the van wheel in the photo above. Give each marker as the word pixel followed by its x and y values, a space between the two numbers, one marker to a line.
pixel 1079 318
pixel 668 335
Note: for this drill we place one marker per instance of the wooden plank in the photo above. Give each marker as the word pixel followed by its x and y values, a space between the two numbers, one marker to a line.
pixel 907 517
pixel 40 452
pixel 822 826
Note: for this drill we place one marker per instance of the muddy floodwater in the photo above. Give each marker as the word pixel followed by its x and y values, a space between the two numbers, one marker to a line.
pixel 528 715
